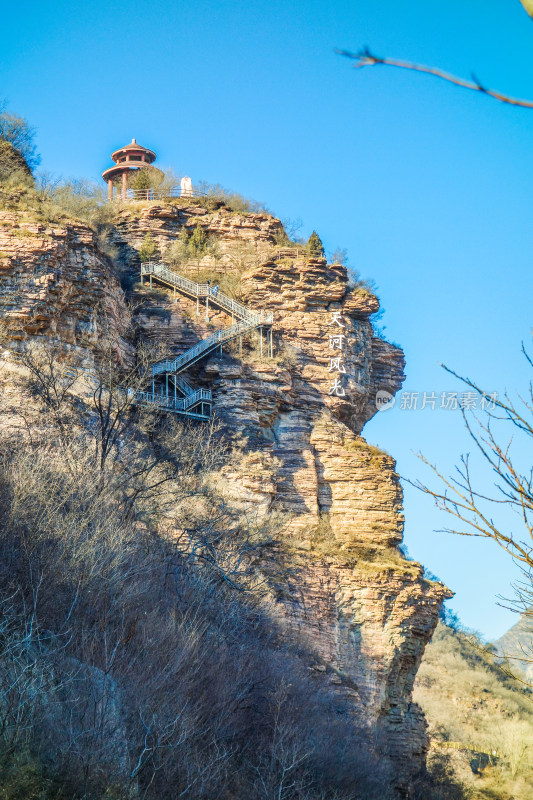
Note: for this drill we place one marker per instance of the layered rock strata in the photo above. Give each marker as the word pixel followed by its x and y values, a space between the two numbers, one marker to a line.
pixel 56 284
pixel 241 239
pixel 364 610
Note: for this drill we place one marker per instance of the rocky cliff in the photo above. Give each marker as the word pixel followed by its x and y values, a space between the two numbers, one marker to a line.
pixel 366 612
pixel 242 239
pixel 296 419
pixel 55 283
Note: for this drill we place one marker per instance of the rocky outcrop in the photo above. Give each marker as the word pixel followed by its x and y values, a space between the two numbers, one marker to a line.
pixel 364 611
pixel 241 238
pixel 55 283
pixel 312 305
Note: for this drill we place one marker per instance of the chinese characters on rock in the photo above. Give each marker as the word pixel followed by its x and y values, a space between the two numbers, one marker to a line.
pixel 336 364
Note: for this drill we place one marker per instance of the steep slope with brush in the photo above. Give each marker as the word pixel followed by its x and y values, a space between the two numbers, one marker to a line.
pixel 337 578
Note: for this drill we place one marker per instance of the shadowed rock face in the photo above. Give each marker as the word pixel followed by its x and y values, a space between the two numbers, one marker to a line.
pixel 341 583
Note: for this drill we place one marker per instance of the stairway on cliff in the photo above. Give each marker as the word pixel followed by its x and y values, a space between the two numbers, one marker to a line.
pixel 170 393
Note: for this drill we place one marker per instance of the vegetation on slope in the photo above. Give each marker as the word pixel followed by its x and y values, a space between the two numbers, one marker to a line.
pixel 470 703
pixel 137 656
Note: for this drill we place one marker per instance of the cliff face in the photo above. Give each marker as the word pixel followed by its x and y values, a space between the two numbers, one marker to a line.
pixel 364 611
pixel 241 238
pixel 55 283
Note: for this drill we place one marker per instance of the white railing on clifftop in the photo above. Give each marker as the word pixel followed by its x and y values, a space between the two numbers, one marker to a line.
pixel 157 194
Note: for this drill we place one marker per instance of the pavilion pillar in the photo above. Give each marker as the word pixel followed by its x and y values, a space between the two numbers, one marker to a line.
pixel 110 189
pixel 124 184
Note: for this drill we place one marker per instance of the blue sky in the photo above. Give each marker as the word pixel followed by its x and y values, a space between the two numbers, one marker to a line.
pixel 427 186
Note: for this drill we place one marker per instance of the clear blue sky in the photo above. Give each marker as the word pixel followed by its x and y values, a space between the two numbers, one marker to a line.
pixel 428 187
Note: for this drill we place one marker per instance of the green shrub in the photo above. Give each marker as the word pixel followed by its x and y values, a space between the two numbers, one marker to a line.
pixel 148 248
pixel 13 168
pixel 20 135
pixel 315 247
pixel 178 252
pixel 141 180
pixel 197 243
pixel 192 247
pixel 147 177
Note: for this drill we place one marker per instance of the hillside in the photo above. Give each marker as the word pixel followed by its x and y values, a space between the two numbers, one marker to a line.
pixel 220 608
pixel 472 705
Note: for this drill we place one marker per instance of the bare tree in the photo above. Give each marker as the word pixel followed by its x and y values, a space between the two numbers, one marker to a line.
pixel 51 380
pixel 17 131
pixel 502 438
pixel 471 506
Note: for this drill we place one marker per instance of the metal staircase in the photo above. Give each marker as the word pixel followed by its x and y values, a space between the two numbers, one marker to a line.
pixel 162 274
pixel 196 403
pixel 201 398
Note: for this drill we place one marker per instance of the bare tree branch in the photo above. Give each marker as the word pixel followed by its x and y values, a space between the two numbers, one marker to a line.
pixel 502 440
pixel 367 59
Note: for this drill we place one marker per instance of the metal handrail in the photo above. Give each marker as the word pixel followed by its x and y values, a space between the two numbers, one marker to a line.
pixel 178 403
pixel 200 395
pixel 193 353
pixel 248 321
pixel 288 252
pixel 154 194
pixel 183 385
pixel 203 290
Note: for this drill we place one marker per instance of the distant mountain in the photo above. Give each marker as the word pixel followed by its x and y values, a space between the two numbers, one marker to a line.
pixel 517 646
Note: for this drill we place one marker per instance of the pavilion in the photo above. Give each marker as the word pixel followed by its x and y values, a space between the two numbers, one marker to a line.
pixel 127 159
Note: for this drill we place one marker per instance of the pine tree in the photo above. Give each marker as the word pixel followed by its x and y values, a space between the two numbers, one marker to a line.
pixel 198 242
pixel 148 248
pixel 141 180
pixel 315 246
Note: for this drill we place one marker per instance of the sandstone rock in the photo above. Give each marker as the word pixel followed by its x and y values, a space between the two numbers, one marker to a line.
pixel 55 283
pixel 364 610
pixel 241 237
